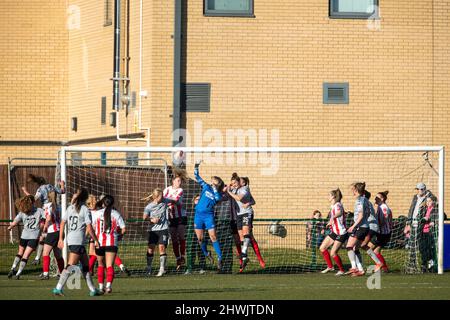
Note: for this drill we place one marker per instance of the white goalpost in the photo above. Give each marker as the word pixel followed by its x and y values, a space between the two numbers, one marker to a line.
pixel 296 168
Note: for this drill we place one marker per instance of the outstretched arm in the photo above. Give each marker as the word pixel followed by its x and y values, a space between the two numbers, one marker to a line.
pixel 12 225
pixel 61 188
pixel 197 175
pixel 25 191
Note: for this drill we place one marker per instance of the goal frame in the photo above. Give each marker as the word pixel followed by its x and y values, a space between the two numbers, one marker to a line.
pixel 440 149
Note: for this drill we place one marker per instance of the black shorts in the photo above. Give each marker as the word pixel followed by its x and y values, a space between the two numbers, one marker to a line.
pixel 233 227
pixel 340 238
pixel 32 243
pixel 372 234
pixel 80 250
pixel 102 250
pixel 244 220
pixel 158 237
pixel 52 239
pixel 175 222
pixel 381 240
pixel 360 233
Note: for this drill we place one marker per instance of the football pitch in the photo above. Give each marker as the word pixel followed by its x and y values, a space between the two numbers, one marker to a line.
pixel 243 286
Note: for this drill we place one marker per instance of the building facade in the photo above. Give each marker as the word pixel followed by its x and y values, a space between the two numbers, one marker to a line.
pixel 319 73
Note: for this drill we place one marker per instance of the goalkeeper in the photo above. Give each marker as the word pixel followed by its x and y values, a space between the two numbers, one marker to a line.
pixel 204 214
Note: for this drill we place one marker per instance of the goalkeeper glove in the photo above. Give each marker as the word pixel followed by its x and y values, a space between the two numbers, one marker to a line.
pixel 197 164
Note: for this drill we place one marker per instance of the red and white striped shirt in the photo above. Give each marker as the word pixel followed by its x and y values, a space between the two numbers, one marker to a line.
pixel 55 213
pixel 108 237
pixel 338 223
pixel 175 210
pixel 384 216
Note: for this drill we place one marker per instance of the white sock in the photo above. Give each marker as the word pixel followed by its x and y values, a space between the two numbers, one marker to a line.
pixel 62 279
pixel 245 246
pixel 45 273
pixel 100 286
pixel 39 252
pixel 22 265
pixel 89 282
pixel 162 262
pixel 373 256
pixel 108 285
pixel 352 258
pixel 15 263
pixel 358 261
pixel 122 267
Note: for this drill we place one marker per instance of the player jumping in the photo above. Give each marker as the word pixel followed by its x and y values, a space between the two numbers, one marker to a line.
pixel 204 213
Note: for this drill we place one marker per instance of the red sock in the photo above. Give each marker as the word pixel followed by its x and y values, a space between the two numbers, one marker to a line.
pixel 117 261
pixel 183 247
pixel 239 252
pixel 238 249
pixel 338 261
pixel 257 252
pixel 176 248
pixel 60 263
pixel 101 274
pixel 92 260
pixel 326 256
pixel 45 263
pixel 110 274
pixel 381 258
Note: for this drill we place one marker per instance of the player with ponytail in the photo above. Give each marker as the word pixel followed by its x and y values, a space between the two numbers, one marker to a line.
pixel 384 216
pixel 52 229
pixel 78 220
pixel 109 228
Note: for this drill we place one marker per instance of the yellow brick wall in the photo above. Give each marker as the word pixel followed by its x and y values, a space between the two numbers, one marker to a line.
pixel 34 65
pixel 268 71
pixel 265 72
pixel 91 68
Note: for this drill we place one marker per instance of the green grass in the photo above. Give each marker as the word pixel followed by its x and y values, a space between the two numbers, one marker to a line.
pixel 244 286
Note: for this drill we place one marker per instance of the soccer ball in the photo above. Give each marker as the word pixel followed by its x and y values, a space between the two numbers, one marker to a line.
pixel 277 229
pixel 179 159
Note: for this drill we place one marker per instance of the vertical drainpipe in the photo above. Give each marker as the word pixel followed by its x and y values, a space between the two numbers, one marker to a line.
pixel 116 72
pixel 177 72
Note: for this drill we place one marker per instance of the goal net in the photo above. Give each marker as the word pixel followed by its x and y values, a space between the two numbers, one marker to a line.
pixel 288 185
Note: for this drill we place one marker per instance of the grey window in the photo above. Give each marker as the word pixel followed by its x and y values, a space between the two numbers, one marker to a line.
pixel 103 111
pixel 108 13
pixel 228 8
pixel 335 93
pixel 74 124
pixel 103 158
pixel 196 97
pixel 354 9
pixel 132 159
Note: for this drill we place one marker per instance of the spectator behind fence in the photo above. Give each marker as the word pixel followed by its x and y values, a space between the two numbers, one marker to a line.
pixel 412 229
pixel 427 244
